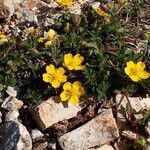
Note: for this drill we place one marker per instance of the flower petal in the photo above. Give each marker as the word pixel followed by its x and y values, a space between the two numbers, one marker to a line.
pixel 47 77
pixel 68 59
pixel 79 67
pixel 77 87
pixel 131 64
pixel 64 96
pixel 62 78
pixel 140 66
pixel 51 34
pixel 55 83
pixel 67 86
pixel 65 2
pixel 48 44
pixel 135 78
pixel 60 71
pixel 51 69
pixel 144 75
pixel 74 99
pixel 70 67
pixel 127 70
pixel 78 59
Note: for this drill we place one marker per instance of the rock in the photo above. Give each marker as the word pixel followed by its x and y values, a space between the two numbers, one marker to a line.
pixel 14 136
pixel 134 101
pixel 98 131
pixel 95 5
pixel 129 135
pixel 25 141
pixel 36 134
pixel 104 147
pixel 12 112
pixel 11 91
pixel 53 5
pixel 9 6
pixel 76 9
pixel 12 115
pixel 147 147
pixel 40 146
pixel 147 129
pixel 18 103
pixel 145 102
pixel 52 144
pixel 0 117
pixel 49 112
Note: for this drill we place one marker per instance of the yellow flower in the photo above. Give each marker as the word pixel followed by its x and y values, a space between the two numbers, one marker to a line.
pixel 65 2
pixel 3 39
pixel 41 39
pixel 72 92
pixel 136 71
pixel 51 34
pixel 48 44
pixel 101 12
pixel 74 63
pixel 54 76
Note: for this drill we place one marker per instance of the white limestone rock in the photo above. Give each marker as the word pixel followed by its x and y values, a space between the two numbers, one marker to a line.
pixel 36 134
pixel 49 112
pixel 98 131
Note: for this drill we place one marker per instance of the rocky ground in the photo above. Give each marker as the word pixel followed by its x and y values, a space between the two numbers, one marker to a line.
pixel 109 125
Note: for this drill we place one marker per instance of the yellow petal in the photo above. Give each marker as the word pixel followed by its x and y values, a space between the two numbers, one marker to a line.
pixel 48 44
pixel 3 39
pixel 41 39
pixel 79 67
pixel 135 78
pixel 131 64
pixel 65 2
pixel 60 71
pixel 56 84
pixel 127 70
pixel 78 59
pixel 68 58
pixel 70 67
pixel 144 75
pixel 62 78
pixel 101 12
pixel 140 66
pixel 51 34
pixel 64 96
pixel 51 69
pixel 77 87
pixel 74 99
pixel 47 77
pixel 67 86
pixel 82 92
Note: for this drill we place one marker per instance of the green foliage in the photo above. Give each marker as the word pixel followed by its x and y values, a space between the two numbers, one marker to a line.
pixel 140 142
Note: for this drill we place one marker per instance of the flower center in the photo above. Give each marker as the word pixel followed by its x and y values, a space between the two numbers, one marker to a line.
pixel 70 93
pixel 133 72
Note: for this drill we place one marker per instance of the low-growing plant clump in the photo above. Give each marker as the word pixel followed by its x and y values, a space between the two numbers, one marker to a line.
pixel 78 58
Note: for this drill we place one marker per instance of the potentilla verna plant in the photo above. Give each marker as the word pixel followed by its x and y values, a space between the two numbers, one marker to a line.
pixel 78 57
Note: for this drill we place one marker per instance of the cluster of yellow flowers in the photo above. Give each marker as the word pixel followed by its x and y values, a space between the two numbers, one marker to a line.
pixel 49 37
pixel 3 39
pixel 55 76
pixel 136 71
